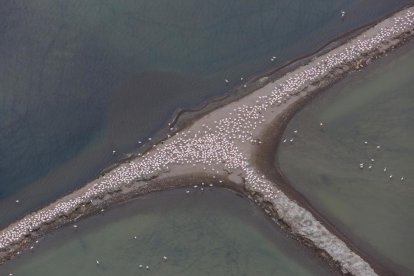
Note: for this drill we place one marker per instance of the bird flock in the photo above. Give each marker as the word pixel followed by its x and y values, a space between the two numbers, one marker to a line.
pixel 221 144
pixel 371 163
pixel 368 164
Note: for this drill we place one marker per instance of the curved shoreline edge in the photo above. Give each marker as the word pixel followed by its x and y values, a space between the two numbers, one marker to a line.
pixel 228 147
pixel 272 74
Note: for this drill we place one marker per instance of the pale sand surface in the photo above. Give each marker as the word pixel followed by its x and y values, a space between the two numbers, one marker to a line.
pixel 218 149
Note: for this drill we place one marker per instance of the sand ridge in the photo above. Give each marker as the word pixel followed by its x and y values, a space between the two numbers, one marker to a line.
pixel 221 145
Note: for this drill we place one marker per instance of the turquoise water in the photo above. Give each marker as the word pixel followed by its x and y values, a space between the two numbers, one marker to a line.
pixel 214 232
pixel 79 79
pixel 367 109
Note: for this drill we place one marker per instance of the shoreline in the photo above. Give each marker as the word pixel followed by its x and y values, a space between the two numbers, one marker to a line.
pixel 269 166
pixel 270 75
pixel 256 218
pixel 184 116
pixel 244 178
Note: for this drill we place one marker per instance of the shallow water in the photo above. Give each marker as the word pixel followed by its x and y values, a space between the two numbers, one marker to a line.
pixel 79 79
pixel 367 109
pixel 214 232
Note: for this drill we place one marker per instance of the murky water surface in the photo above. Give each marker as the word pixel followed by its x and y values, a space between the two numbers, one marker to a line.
pixel 79 79
pixel 214 232
pixel 358 169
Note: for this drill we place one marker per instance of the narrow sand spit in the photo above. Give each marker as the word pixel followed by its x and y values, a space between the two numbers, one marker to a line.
pixel 220 149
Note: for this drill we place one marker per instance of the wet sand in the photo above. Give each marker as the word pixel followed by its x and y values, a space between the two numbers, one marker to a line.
pixel 228 147
pixel 357 108
pixel 207 232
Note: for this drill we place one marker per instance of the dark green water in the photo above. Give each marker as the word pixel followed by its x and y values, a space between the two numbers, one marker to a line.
pixel 214 232
pixel 374 106
pixel 79 79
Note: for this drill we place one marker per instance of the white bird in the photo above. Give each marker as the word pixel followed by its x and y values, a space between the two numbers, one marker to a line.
pixel 17 201
pixel 390 176
pixel 402 179
pixel 165 258
pixel 97 262
pixel 226 80
pixel 385 169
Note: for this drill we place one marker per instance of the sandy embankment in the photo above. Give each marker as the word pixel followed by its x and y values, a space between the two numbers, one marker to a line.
pixel 229 147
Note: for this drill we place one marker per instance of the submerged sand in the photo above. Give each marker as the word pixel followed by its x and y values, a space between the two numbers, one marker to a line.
pixel 229 147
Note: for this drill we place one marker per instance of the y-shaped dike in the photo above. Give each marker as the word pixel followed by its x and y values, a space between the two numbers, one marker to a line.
pixel 219 148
